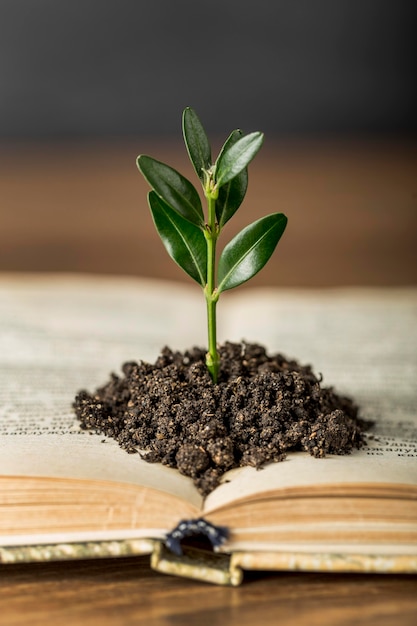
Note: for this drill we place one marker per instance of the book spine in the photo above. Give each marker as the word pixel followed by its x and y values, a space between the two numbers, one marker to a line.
pixel 197 564
pixel 77 550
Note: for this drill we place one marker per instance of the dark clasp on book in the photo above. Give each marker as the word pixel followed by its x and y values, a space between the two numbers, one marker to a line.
pixel 217 535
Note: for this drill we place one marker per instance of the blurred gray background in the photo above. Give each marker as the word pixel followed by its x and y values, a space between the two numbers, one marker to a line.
pixel 119 67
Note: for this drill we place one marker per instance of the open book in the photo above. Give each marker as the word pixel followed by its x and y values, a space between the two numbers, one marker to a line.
pixel 67 493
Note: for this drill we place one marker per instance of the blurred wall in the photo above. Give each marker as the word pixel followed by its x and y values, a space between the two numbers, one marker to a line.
pixel 89 67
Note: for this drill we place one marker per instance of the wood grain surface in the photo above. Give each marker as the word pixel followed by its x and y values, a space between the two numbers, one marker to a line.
pixel 126 591
pixel 82 207
pixel 351 207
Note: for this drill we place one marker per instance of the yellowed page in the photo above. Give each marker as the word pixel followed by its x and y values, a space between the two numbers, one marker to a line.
pixel 364 342
pixel 61 333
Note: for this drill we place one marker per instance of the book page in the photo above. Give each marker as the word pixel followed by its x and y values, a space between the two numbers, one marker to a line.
pixel 59 334
pixel 364 343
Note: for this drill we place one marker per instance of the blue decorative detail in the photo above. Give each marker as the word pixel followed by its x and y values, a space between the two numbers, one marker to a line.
pixel 217 535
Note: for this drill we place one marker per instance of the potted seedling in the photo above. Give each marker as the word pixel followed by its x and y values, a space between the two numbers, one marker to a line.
pixel 205 411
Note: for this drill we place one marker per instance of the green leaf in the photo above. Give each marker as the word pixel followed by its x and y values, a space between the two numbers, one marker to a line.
pixel 233 159
pixel 249 251
pixel 172 187
pixel 184 242
pixel 196 142
pixel 231 194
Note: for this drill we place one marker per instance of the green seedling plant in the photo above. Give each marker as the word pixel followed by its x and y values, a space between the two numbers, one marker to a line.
pixel 190 236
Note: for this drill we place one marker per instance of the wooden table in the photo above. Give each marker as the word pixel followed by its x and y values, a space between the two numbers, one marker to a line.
pixel 81 207
pixel 127 592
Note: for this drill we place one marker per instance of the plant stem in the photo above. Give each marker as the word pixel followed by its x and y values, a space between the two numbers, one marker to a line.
pixel 212 356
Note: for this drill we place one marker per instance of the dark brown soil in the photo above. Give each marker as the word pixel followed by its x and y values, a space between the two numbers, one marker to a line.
pixel 261 408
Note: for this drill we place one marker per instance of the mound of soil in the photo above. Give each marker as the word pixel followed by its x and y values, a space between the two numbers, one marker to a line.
pixel 261 408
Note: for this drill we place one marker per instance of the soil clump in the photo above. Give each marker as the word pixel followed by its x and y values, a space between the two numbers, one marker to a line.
pixel 261 408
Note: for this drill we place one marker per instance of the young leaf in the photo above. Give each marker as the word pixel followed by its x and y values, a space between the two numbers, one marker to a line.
pixel 172 187
pixel 184 242
pixel 196 142
pixel 249 251
pixel 234 159
pixel 231 194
